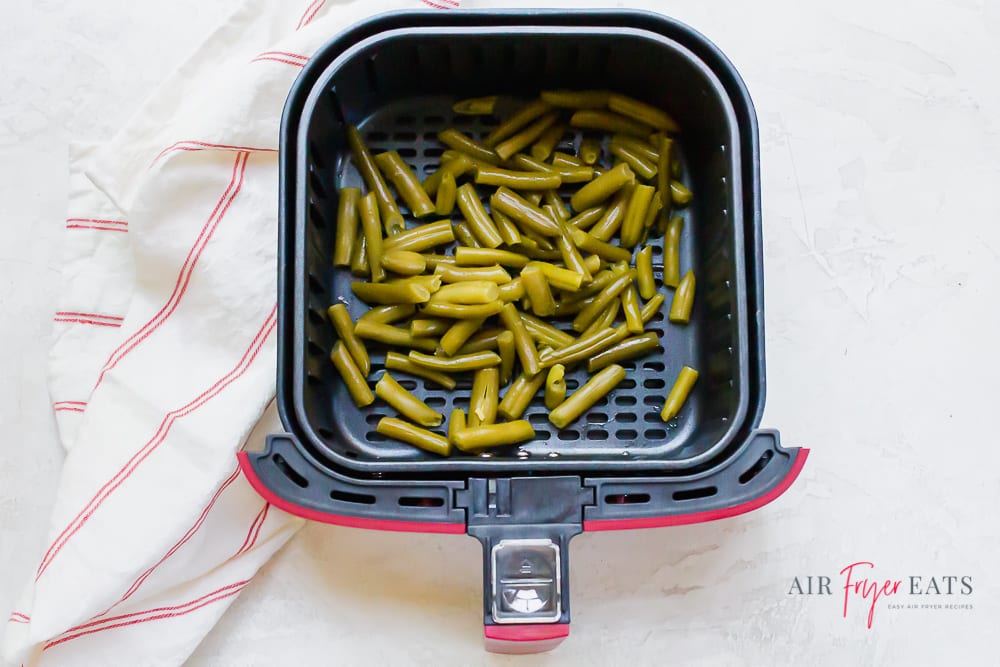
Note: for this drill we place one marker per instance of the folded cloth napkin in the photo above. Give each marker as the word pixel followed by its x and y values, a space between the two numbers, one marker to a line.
pixel 163 355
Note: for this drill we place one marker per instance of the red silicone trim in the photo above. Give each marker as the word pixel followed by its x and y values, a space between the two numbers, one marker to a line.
pixel 339 519
pixel 701 517
pixel 521 639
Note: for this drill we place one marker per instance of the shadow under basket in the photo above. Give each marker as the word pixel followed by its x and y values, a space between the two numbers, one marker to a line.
pixel 618 466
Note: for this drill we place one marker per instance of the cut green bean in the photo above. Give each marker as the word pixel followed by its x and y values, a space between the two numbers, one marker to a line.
pixel 469 292
pixel 444 202
pixel 679 194
pixel 604 321
pixel 560 159
pixel 484 398
pixel 389 293
pixel 509 232
pixel 544 333
pixel 344 326
pixel 475 106
pixel 643 168
pixel 347 226
pixel 587 218
pixel 458 334
pixel 488 257
pixel 484 339
pixel 518 120
pixel 414 435
pixel 431 283
pixel 512 291
pixel 359 258
pixel 406 403
pixel 680 307
pixel 433 261
pixel 648 151
pixel 528 216
pixel 452 273
pixel 456 423
pixel 581 350
pixel 424 237
pixel 463 144
pixel 405 182
pixel 519 395
pixel 652 212
pixel 642 112
pixel 390 335
pixel 458 364
pixel 394 361
pixel 354 380
pixel 508 354
pixel 630 348
pixel 664 169
pixel 388 210
pixel 552 198
pixel 644 270
pixel 533 197
pixel 588 243
pixel 679 393
pixel 372 227
pixel 560 277
pixel 404 262
pixel 429 326
pixel 477 438
pixel 526 350
pixel 461 311
pixel 546 143
pixel 590 149
pixel 631 231
pixel 586 396
pixel 555 386
pixel 519 180
pixel 609 122
pixel 614 215
pixel 464 235
pixel 456 165
pixel 568 174
pixel 537 289
pixel 577 99
pixel 672 252
pixel 602 187
pixel 475 214
pixel 630 307
pixel 601 301
pixel 527 136
pixel 389 314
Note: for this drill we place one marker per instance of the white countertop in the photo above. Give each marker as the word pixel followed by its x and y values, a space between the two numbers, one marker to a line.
pixel 880 130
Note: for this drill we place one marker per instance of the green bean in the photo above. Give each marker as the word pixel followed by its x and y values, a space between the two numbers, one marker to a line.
pixel 590 149
pixel 521 118
pixel 644 269
pixel 451 273
pixel 469 292
pixel 630 306
pixel 649 309
pixel 577 99
pixel 586 396
pixel 545 333
pixel 424 237
pixel 568 174
pixel 601 301
pixel 520 180
pixel 525 137
pixel 537 289
pixel 655 206
pixel 488 257
pixel 610 122
pixel 560 159
pixel 648 151
pixel 672 252
pixel 414 435
pixel 457 364
pixel 571 255
pixel 508 353
pixel 546 143
pixel 533 197
pixel 354 380
pixel 602 187
pixel 389 314
pixel 394 361
pixel 529 217
pixel 587 218
pixel 433 261
pixel 347 226
pixel 359 258
pixel 635 215
pixel 430 326
pixel 512 291
pixel 603 321
pixel 530 248
pixel 542 244
pixel 391 292
pixel 552 198
pixel 444 203
pixel 484 339
pixel 431 283
pixel 614 215
pixel 593 263
pixel 526 351
pixel 404 262
pixel 463 144
pixel 406 403
pixel 508 230
pixel 390 335
pixel 405 182
pixel 588 243
pixel 642 112
pixel 477 217
pixel 663 172
pixel 456 423
pixel 630 348
pixel 464 235
pixel 372 227
pixel 344 327
pixel 459 332
pixel 388 211
pixel 475 106
pixel 678 393
pixel 680 307
pixel 476 438
pixel 555 386
pixel 581 350
pixel 456 166
pixel 519 395
pixel 679 194
pixel 642 167
pixel 484 398
pixel 600 281
pixel 461 311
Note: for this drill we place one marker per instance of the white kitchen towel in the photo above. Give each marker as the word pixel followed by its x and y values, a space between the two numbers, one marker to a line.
pixel 163 355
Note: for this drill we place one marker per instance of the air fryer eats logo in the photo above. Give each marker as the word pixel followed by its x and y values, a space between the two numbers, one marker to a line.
pixel 861 585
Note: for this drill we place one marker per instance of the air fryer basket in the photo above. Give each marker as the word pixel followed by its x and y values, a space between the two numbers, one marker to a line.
pixel 619 466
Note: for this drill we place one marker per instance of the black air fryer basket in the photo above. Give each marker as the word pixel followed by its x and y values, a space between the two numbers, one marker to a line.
pixel 619 466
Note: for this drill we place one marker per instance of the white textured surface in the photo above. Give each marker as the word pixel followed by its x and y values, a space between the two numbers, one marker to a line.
pixel 880 130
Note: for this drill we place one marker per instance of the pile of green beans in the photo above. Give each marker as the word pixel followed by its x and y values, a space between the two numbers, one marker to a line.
pixel 523 260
